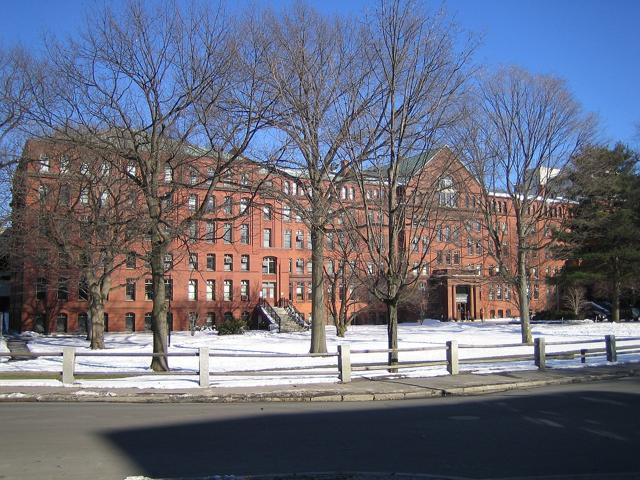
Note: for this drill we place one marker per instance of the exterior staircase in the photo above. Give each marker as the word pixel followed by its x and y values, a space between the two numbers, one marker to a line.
pixel 288 322
pixel 284 319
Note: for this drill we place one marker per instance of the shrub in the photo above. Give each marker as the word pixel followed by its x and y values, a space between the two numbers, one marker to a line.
pixel 233 326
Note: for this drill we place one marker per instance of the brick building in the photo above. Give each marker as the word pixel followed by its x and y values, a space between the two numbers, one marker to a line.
pixel 262 254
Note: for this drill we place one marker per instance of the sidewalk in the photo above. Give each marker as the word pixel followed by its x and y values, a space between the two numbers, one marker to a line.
pixel 358 390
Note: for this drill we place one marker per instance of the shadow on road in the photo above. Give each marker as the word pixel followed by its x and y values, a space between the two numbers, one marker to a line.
pixel 583 432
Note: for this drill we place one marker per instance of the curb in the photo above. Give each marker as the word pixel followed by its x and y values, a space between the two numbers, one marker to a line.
pixel 113 396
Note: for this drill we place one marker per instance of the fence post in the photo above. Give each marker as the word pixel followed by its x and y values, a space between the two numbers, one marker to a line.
pixel 203 370
pixel 539 353
pixel 612 354
pixel 583 355
pixel 344 363
pixel 452 357
pixel 68 361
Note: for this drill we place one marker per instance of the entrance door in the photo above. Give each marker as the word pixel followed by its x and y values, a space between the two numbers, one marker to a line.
pixel 268 290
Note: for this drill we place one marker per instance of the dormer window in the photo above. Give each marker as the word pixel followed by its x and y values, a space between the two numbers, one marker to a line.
pixel 447 195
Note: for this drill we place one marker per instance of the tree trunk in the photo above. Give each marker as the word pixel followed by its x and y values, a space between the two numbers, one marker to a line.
pixel 523 295
pixel 96 313
pixel 615 297
pixel 342 315
pixel 159 363
pixel 392 334
pixel 318 334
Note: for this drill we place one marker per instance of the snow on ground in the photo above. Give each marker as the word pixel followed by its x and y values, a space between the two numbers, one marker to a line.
pixel 432 333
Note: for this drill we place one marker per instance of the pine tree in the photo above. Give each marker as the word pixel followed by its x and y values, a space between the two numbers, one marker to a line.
pixel 602 233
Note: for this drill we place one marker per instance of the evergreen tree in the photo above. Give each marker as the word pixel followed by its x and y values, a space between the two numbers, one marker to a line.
pixel 601 236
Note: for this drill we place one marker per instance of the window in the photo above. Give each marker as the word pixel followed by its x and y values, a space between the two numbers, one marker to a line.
pixel 211 319
pixel 131 260
pixel 244 233
pixel 148 320
pixel 129 322
pixel 65 195
pixel 193 176
pixel 456 257
pixel 168 290
pixel 168 262
pixel 45 163
pixel 286 214
pixel 286 241
pixel 498 292
pixel 227 206
pixel 244 290
pixel 211 262
pixel 193 261
pixel 84 196
pixel 210 204
pixel 228 291
pixel 267 213
pixel 285 187
pixel 244 205
pixel 210 235
pixel 83 289
pixel 130 289
pixel 447 196
pixel 64 164
pixel 244 263
pixel 439 258
pixel 148 289
pixel 536 291
pixel 269 265
pixel 61 323
pixel 228 263
pixel 491 292
pixel 300 266
pixel 309 266
pixel 193 202
pixel 193 231
pixel 299 239
pixel 41 288
pixel 63 288
pixel 300 291
pixel 266 238
pixel 447 258
pixel 192 290
pixel 168 174
pixel 227 233
pixel 228 316
pixel 211 290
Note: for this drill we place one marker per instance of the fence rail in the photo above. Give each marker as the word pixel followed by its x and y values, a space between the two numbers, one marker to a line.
pixel 611 349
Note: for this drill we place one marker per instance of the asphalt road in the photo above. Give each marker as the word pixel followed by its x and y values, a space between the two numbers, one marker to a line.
pixel 568 430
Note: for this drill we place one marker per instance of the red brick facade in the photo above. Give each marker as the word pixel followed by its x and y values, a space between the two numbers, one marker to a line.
pixel 267 257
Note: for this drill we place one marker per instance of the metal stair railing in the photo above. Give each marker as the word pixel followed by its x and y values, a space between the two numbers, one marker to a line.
pixel 264 304
pixel 295 314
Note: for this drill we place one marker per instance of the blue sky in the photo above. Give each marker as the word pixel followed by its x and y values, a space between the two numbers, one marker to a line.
pixel 592 44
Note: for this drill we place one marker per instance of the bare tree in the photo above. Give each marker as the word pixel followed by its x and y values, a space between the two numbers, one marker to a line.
pixel 421 78
pixel 172 97
pixel 575 299
pixel 15 99
pixel 517 140
pixel 344 289
pixel 320 81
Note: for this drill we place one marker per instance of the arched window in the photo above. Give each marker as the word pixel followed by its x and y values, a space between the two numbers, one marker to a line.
pixel 447 195
pixel 61 323
pixel 148 318
pixel 130 322
pixel 83 322
pixel 228 316
pixel 269 265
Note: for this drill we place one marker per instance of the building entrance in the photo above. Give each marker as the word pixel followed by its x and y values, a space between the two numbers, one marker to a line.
pixel 462 302
pixel 268 290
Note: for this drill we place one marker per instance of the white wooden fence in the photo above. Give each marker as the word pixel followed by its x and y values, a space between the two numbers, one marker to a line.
pixel 610 348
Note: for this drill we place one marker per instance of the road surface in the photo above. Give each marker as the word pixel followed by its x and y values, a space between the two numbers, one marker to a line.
pixel 568 430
